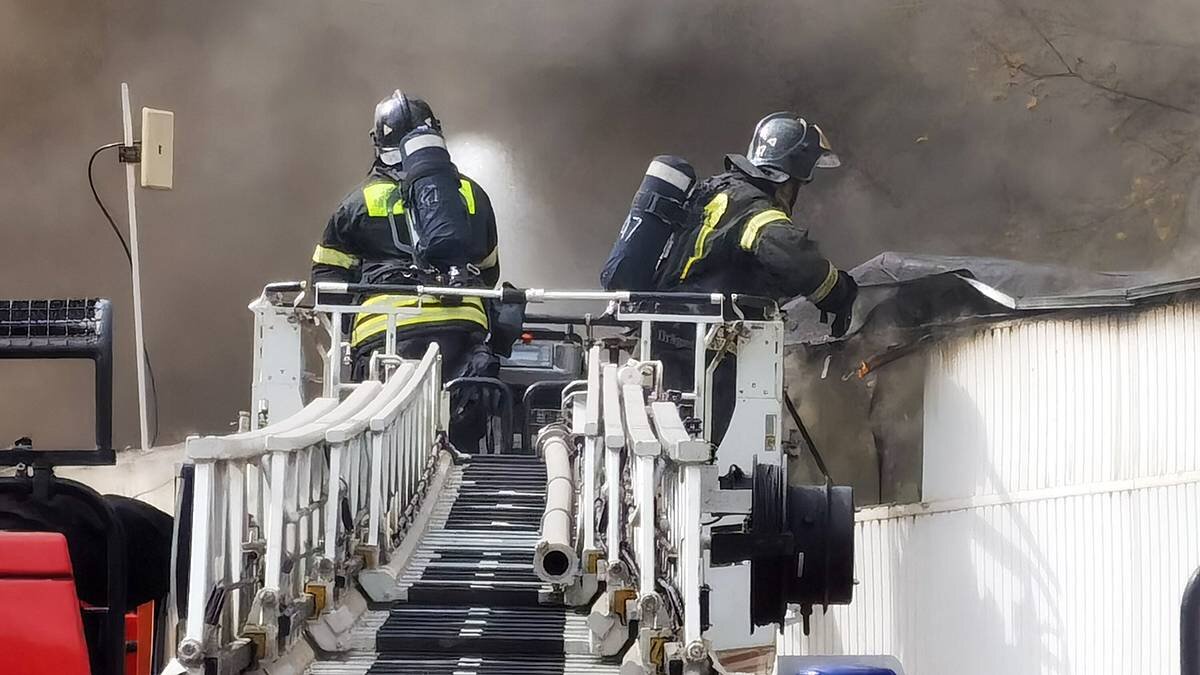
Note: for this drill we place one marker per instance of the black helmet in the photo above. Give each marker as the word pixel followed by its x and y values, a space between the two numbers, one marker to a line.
pixel 395 116
pixel 785 146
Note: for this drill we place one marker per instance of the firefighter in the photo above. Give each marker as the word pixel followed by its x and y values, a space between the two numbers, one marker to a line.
pixel 738 237
pixel 369 239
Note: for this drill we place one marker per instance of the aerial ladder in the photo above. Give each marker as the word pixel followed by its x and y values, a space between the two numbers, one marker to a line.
pixel 342 533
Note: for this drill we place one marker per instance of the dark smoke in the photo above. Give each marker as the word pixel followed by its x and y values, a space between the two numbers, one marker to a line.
pixel 1057 131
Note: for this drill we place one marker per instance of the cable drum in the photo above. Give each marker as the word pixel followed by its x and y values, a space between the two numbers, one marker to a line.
pixel 821 519
pixel 800 544
pixel 768 575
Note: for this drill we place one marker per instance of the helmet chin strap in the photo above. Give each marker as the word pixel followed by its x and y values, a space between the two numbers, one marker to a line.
pixel 787 193
pixel 389 157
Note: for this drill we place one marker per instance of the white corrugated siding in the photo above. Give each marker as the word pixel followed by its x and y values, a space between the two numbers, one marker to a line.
pixel 1082 585
pixel 1063 518
pixel 1049 403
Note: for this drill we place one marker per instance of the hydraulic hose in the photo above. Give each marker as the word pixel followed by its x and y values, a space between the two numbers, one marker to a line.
pixel 555 560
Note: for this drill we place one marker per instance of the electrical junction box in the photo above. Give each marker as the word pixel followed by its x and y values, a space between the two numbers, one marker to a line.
pixel 158 149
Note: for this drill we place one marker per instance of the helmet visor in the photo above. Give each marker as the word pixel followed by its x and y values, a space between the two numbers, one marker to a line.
pixel 827 160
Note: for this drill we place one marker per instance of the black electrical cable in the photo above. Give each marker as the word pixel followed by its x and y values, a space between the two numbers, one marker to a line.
pixel 100 203
pixel 812 447
pixel 128 256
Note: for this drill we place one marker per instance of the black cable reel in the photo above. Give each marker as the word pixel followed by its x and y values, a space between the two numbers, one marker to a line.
pixel 799 541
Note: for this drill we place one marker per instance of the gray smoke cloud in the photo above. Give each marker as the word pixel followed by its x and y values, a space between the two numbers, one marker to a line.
pixel 1060 131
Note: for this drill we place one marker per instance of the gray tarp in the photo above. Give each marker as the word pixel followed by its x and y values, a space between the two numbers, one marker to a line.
pixel 906 291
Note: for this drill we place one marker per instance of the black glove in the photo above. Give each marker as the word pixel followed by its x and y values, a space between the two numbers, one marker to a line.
pixel 840 304
pixel 507 320
pixel 479 397
pixel 481 363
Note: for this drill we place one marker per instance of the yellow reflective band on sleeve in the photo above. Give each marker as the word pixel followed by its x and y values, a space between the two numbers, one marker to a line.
pixel 324 255
pixel 713 211
pixel 377 196
pixel 826 286
pixel 756 224
pixel 490 261
pixel 468 194
pixel 367 326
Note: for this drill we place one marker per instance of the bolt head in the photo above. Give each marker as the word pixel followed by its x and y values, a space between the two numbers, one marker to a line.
pixel 189 652
pixel 695 652
pixel 325 568
pixel 648 605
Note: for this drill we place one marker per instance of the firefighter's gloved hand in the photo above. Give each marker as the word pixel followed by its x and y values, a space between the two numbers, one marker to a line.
pixel 482 397
pixel 841 322
pixel 837 308
pixel 481 363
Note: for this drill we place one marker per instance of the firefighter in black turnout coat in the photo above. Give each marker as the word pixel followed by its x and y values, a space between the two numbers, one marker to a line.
pixel 738 236
pixel 370 239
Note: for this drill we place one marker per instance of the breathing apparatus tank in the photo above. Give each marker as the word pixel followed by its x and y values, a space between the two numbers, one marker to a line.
pixel 657 212
pixel 442 230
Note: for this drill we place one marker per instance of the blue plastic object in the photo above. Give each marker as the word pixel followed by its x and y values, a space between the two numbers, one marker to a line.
pixel 846 670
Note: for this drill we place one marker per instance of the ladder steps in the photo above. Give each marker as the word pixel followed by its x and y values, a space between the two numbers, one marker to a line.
pixel 483 557
pixel 474 630
pixel 473 602
pixel 435 664
pixel 467 595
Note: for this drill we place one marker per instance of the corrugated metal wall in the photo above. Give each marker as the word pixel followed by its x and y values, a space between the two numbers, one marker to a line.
pixel 1049 403
pixel 1062 489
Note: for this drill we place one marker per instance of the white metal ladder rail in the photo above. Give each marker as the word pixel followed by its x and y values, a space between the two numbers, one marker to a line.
pixel 269 537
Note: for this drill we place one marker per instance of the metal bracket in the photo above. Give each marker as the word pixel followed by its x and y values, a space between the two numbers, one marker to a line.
pixel 674 437
pixel 621 598
pixel 715 499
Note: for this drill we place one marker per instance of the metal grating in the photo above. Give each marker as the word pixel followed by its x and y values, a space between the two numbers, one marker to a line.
pixel 541 417
pixel 48 318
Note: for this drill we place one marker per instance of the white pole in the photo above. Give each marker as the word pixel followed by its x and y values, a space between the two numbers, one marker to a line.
pixel 143 416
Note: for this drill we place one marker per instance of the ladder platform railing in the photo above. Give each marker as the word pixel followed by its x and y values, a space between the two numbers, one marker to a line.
pixel 286 516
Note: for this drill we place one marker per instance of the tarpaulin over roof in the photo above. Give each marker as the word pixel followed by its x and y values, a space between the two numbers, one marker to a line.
pixel 902 296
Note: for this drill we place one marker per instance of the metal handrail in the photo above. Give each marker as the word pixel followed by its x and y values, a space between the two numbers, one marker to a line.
pixel 360 421
pixel 269 538
pixel 314 432
pixel 247 444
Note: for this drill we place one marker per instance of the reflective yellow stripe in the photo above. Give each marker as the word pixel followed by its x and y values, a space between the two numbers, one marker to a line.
pixel 757 223
pixel 323 255
pixel 377 196
pixel 468 194
pixel 369 325
pixel 490 261
pixel 425 301
pixel 713 211
pixel 826 286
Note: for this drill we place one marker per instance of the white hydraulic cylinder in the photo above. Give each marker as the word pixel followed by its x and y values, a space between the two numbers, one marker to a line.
pixel 555 560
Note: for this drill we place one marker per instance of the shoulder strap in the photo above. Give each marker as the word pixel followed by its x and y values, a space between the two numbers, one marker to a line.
pixel 400 179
